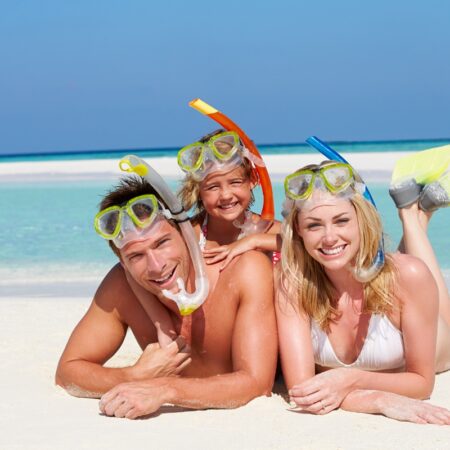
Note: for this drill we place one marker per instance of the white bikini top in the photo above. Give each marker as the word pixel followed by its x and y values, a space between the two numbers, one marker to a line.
pixel 382 349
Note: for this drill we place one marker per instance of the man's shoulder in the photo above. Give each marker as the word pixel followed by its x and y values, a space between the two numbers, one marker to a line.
pixel 114 288
pixel 251 265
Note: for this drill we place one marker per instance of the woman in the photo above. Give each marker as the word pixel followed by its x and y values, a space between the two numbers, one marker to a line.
pixel 353 335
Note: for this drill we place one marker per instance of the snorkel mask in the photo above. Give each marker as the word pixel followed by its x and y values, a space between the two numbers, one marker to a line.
pixel 339 179
pixel 249 151
pixel 224 151
pixel 132 222
pixel 137 220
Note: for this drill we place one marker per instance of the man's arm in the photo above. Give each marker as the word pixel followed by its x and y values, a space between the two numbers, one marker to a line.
pixel 254 350
pixel 99 335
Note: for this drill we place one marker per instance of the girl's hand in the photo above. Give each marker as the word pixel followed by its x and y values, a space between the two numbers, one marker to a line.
pixel 226 253
pixel 323 392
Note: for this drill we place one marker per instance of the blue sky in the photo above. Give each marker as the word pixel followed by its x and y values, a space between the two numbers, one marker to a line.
pixel 106 74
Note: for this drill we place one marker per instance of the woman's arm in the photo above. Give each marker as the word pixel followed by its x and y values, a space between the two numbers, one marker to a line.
pixel 294 338
pixel 417 290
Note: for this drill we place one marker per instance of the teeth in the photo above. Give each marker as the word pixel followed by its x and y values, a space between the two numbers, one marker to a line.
pixel 333 251
pixel 161 280
pixel 228 206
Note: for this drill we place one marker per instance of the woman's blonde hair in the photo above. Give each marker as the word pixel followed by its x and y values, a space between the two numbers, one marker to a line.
pixel 305 282
pixel 189 192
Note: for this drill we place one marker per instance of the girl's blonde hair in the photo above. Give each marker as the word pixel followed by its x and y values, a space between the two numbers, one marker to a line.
pixel 304 281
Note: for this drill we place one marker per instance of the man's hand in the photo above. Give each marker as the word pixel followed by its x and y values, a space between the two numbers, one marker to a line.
pixel 162 362
pixel 132 400
pixel 323 392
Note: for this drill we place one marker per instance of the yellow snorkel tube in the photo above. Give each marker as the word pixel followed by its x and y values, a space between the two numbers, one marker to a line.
pixel 267 212
pixel 187 303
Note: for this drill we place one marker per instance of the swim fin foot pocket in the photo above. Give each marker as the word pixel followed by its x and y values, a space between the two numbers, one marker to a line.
pixel 436 194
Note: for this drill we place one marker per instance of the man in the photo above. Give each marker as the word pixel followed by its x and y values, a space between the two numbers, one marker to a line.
pixel 225 353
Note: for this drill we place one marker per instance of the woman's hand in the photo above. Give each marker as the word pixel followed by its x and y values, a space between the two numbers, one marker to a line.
pixel 323 392
pixel 411 410
pixel 226 253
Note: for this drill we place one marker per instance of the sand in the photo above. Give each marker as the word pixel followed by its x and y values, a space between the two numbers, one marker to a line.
pixel 35 414
pixel 35 324
pixel 277 166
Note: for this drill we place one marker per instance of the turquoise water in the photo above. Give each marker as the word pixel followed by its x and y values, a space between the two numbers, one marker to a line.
pixel 47 230
pixel 47 233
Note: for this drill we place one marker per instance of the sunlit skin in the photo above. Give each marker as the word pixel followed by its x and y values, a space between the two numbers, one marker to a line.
pixel 156 262
pixel 225 353
pixel 226 194
pixel 330 233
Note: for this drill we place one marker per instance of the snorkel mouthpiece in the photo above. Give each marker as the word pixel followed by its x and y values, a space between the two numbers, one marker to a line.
pixel 187 303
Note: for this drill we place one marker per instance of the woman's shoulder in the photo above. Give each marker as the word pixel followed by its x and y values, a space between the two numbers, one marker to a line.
pixel 412 274
pixel 408 267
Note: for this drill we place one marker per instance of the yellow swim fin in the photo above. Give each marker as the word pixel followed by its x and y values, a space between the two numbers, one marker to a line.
pixel 424 167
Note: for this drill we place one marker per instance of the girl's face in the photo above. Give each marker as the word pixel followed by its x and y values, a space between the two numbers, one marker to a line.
pixel 330 232
pixel 226 195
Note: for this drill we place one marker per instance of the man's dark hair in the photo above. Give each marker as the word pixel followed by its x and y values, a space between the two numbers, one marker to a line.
pixel 127 189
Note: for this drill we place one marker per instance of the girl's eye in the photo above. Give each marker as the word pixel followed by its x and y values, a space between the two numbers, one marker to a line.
pixel 343 221
pixel 236 182
pixel 312 226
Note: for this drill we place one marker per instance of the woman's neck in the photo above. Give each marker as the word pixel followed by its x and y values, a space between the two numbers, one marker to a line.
pixel 344 282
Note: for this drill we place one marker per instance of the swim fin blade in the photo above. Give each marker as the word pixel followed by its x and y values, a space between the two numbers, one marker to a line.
pixel 424 167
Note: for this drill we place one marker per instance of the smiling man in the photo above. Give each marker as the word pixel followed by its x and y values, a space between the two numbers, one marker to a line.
pixel 224 354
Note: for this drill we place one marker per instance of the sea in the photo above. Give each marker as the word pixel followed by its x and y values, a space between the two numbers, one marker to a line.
pixel 48 246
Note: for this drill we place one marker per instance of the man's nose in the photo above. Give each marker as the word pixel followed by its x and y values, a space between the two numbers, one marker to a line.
pixel 155 263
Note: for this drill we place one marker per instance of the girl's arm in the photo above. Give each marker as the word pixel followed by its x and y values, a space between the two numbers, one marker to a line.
pixel 270 241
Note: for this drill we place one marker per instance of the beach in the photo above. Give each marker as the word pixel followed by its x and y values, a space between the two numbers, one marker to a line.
pixel 35 414
pixel 36 320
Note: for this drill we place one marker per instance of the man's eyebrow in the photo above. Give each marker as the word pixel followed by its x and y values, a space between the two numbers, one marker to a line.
pixel 166 235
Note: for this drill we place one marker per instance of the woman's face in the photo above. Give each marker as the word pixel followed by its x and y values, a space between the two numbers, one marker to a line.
pixel 330 233
pixel 226 195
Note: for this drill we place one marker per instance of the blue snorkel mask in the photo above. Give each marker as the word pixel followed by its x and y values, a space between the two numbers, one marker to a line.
pixel 379 260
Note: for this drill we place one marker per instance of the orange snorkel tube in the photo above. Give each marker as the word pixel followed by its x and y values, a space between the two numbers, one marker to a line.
pixel 267 213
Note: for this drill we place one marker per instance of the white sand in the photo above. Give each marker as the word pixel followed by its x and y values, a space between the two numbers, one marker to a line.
pixel 34 414
pixel 277 165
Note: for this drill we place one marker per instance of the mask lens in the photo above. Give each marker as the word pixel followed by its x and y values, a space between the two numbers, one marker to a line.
pixel 298 186
pixel 143 211
pixel 190 157
pixel 225 145
pixel 108 222
pixel 338 177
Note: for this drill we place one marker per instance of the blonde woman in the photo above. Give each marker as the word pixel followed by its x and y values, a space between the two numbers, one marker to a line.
pixel 356 335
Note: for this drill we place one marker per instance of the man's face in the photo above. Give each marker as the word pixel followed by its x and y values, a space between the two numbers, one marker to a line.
pixel 157 261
